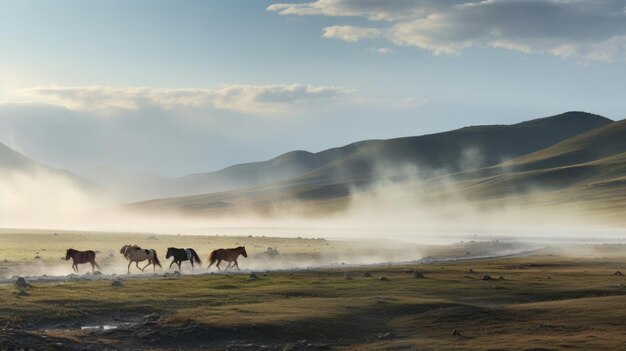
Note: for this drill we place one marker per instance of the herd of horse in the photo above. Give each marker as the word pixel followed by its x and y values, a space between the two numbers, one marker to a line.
pixel 135 254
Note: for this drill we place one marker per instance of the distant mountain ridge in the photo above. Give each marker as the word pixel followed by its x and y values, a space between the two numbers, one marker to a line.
pixel 494 143
pixel 487 147
pixel 13 162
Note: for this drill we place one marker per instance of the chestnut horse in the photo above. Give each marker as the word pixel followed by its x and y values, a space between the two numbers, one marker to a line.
pixel 228 255
pixel 80 257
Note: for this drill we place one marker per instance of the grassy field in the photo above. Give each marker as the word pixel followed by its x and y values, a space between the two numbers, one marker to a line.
pixel 544 301
pixel 35 253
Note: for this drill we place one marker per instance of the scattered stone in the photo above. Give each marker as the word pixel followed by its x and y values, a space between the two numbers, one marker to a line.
pixel 455 333
pixel 253 276
pixel 22 285
pixel 97 273
pixel 116 283
pixel 38 257
pixel 176 273
pixel 151 318
pixel 22 293
pixel 468 276
pixel 620 285
pixel 418 275
pixel 383 278
pixel 486 277
pixel 367 274
pixel 347 275
pixel 499 278
pixel 618 273
pixel 385 336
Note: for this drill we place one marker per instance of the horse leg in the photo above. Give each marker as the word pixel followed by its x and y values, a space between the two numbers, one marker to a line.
pixel 218 265
pixel 137 264
pixel 149 263
pixel 129 263
pixel 93 267
pixel 210 264
pixel 179 269
pixel 172 263
pixel 237 264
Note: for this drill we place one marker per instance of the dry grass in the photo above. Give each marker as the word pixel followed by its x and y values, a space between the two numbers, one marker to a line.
pixel 544 301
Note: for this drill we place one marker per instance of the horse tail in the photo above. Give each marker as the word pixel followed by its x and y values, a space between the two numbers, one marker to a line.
pixel 195 256
pixel 156 259
pixel 212 257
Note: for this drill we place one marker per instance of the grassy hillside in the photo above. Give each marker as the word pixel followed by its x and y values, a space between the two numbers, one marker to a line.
pixel 469 158
pixel 469 147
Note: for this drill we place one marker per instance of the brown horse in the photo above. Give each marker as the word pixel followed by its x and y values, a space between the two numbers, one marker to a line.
pixel 228 255
pixel 80 257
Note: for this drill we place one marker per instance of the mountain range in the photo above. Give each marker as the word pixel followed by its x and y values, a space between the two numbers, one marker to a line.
pixel 574 157
pixel 577 151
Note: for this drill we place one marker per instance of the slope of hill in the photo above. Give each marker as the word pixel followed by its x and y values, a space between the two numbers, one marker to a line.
pixel 13 162
pixel 329 186
pixel 470 147
pixel 599 143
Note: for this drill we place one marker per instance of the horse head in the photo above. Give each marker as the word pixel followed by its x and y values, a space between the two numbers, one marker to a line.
pixel 242 250
pixel 124 249
pixel 169 252
pixel 68 254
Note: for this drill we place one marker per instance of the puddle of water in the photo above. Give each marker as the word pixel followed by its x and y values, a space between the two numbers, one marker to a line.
pixel 99 327
pixel 105 327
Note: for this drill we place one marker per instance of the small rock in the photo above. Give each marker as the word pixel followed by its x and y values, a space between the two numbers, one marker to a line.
pixel 38 257
pixel 455 333
pixel 253 276
pixel 385 336
pixel 471 271
pixel 383 278
pixel 116 283
pixel 485 277
pixel 151 318
pixel 22 285
pixel 418 275
pixel 347 275
pixel 22 293
pixel 367 274
pixel 97 273
pixel 618 273
pixel 499 278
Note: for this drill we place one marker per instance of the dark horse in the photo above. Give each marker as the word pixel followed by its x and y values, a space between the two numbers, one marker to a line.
pixel 80 257
pixel 181 255
pixel 228 255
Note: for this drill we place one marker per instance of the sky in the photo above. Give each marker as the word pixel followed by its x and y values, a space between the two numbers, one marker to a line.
pixel 179 87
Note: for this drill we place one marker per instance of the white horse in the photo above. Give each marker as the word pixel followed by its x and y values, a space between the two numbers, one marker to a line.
pixel 134 253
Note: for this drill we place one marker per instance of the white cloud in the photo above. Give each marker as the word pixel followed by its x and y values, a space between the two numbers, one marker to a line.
pixel 250 99
pixel 587 30
pixel 351 33
pixel 384 50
